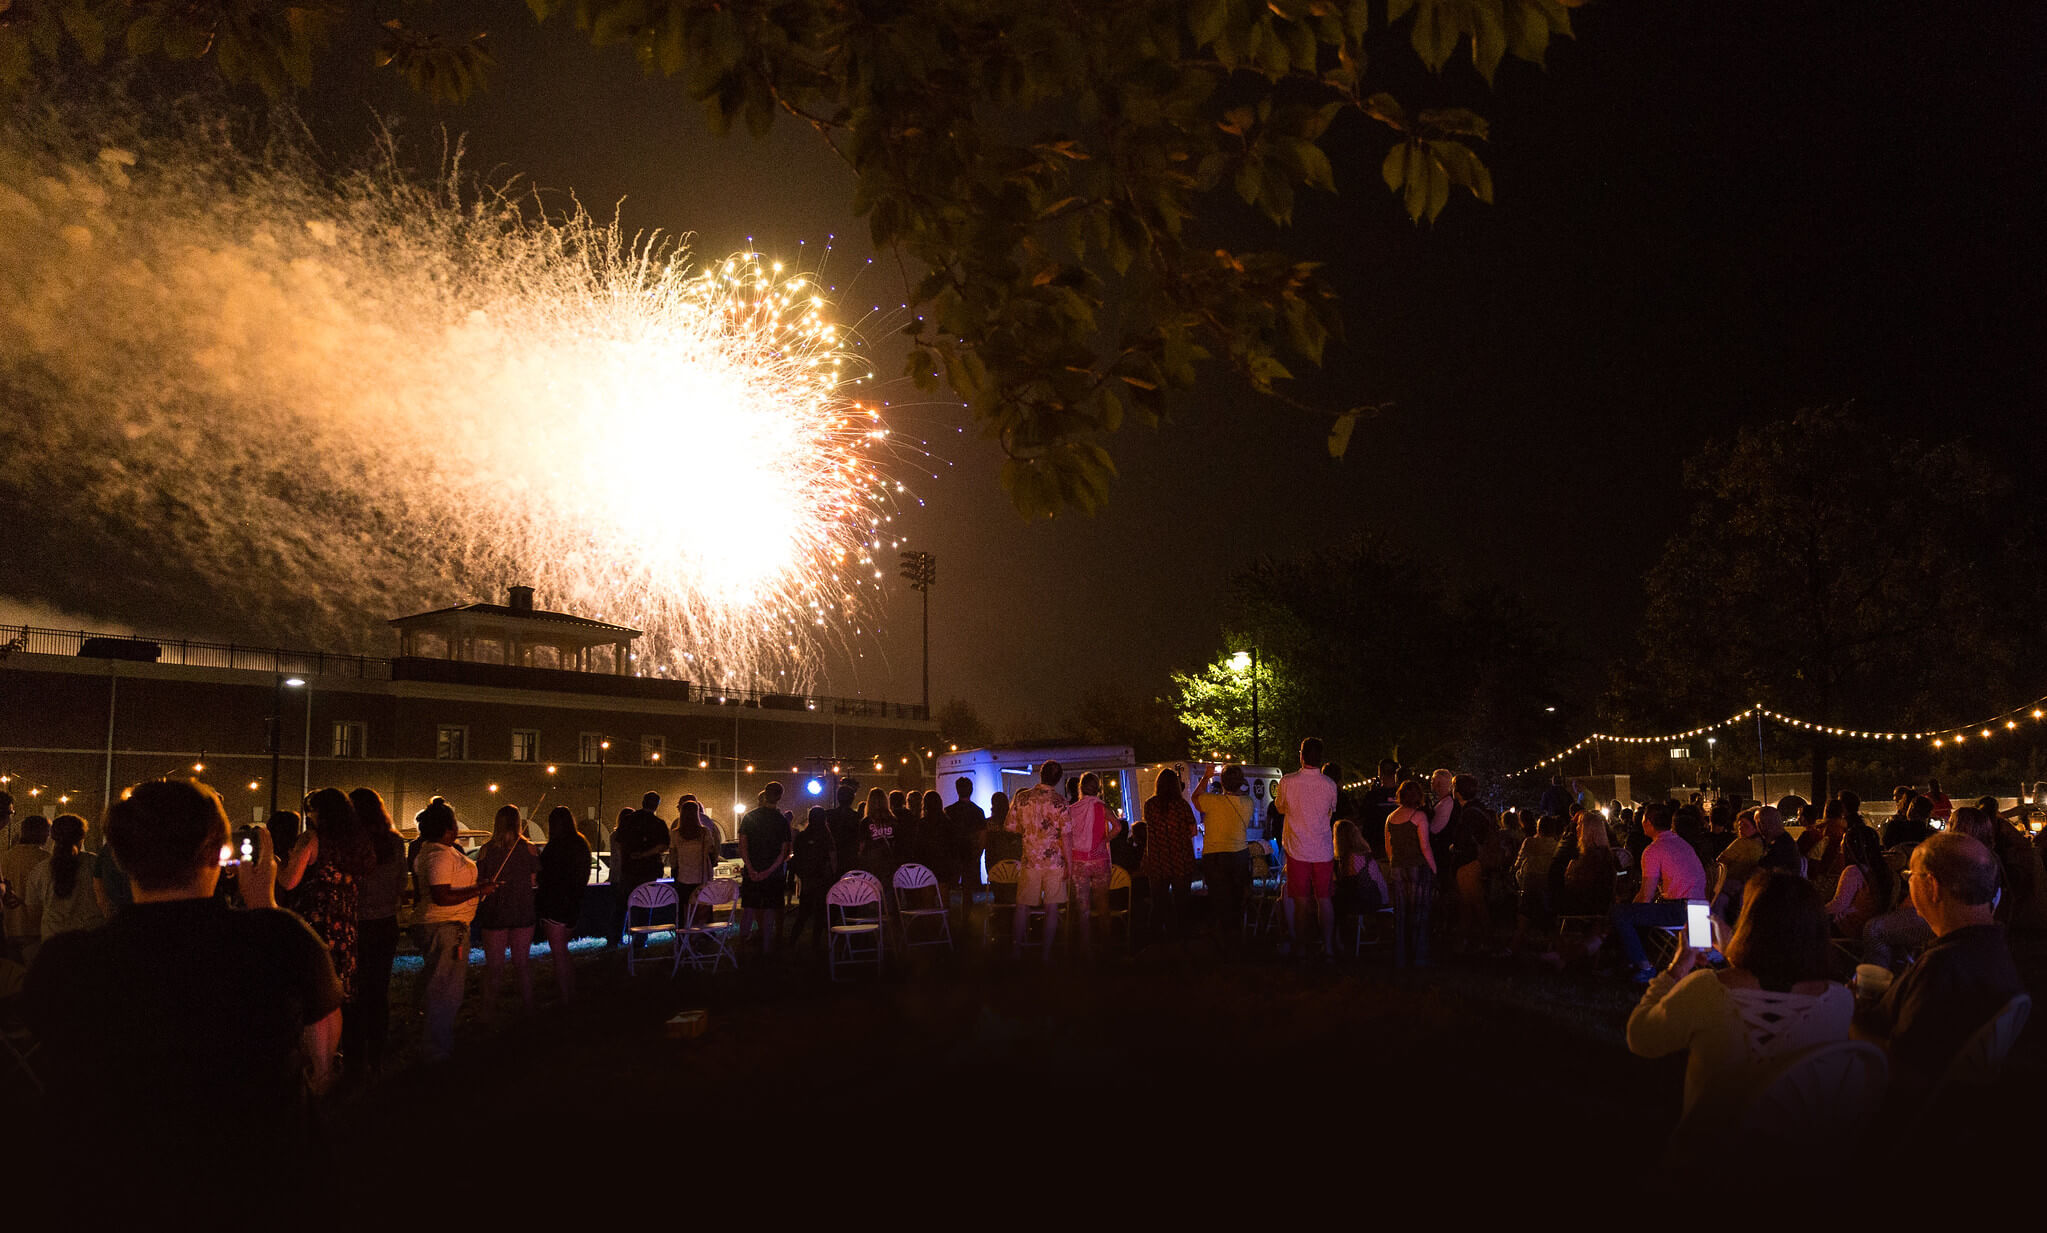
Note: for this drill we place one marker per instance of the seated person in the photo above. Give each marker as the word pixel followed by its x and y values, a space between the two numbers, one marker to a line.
pixel 1772 999
pixel 1964 977
pixel 1671 875
pixel 1865 888
pixel 1910 825
pixel 1360 884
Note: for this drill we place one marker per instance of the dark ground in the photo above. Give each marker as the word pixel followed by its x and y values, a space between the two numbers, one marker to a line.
pixel 1171 1068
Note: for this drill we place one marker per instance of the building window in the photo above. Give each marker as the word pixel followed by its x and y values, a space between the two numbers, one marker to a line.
pixel 351 739
pixel 525 745
pixel 707 751
pixel 592 747
pixel 653 750
pixel 451 743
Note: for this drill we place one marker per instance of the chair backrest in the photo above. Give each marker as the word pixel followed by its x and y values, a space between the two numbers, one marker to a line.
pixel 1982 1056
pixel 1257 849
pixel 1005 871
pixel 651 897
pixel 1119 878
pixel 1825 1094
pixel 854 891
pixel 716 893
pixel 914 877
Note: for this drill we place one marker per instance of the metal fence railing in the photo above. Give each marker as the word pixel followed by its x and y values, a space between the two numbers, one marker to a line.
pixel 186 652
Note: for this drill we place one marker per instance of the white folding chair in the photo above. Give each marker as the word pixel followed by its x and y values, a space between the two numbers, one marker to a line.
pixel 700 923
pixel 845 932
pixel 651 899
pixel 1825 1095
pixel 911 883
pixel 1982 1056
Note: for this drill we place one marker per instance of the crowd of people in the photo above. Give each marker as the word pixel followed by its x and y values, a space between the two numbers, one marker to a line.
pixel 125 987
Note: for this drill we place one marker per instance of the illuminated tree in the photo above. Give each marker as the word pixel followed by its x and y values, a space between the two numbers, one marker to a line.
pixel 1045 167
pixel 1217 706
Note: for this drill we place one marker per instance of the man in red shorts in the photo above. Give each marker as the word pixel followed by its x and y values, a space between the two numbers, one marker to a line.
pixel 1307 800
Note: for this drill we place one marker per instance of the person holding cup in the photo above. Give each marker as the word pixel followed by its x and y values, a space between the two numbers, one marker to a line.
pixel 1772 999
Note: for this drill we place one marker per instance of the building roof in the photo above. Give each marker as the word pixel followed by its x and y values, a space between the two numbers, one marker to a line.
pixel 441 616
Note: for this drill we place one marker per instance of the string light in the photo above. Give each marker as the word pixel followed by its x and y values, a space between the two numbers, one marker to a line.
pixel 1940 737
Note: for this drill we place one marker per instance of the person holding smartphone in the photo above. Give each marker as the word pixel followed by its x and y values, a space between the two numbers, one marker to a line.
pixel 1772 999
pixel 449 893
pixel 183 1027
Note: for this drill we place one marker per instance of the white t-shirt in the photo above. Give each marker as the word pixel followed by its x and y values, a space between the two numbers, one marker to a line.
pixel 1307 799
pixel 442 865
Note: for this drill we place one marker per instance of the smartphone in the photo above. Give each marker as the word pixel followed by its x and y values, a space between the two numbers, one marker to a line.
pixel 245 842
pixel 1698 924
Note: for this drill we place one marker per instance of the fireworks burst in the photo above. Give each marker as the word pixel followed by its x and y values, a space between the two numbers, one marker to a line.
pixel 327 402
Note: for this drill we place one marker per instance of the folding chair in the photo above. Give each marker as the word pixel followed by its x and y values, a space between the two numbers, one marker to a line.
pixel 652 898
pixel 845 931
pixel 1358 943
pixel 1982 1056
pixel 1820 1097
pixel 911 883
pixel 1002 877
pixel 1121 893
pixel 700 922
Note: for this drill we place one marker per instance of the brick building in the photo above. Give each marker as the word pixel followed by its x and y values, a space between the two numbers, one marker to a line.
pixel 486 704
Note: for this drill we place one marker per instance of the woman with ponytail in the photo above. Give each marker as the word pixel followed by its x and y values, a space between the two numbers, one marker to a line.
pixel 61 888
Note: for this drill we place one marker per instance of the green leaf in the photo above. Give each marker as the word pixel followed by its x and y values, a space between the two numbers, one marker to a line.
pixel 1315 169
pixel 15 56
pixel 1250 178
pixel 1489 43
pixel 1439 189
pixel 87 30
pixel 1394 169
pixel 1396 9
pixel 144 36
pixel 1205 20
pixel 1434 34
pixel 1417 194
pixel 1339 433
pixel 671 54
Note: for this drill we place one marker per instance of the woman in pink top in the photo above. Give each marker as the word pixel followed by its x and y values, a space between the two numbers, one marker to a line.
pixel 1865 886
pixel 1772 999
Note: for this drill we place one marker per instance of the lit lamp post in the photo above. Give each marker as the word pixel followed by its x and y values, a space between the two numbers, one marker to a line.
pixel 920 570
pixel 277 728
pixel 1711 781
pixel 602 747
pixel 1240 661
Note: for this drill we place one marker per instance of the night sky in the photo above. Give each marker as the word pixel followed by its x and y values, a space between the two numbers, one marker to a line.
pixel 1709 214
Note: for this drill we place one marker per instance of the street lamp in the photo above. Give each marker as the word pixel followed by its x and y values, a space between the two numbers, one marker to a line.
pixel 277 729
pixel 1239 662
pixel 1711 780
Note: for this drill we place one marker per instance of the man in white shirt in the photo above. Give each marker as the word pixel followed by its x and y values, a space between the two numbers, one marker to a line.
pixel 1671 874
pixel 1307 800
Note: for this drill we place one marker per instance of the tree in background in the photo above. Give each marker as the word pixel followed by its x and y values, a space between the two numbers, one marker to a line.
pixel 1840 572
pixel 1041 169
pixel 1383 656
pixel 1216 705
pixel 959 724
pixel 1148 725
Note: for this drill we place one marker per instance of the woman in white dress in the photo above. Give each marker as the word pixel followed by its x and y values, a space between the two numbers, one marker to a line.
pixel 1772 999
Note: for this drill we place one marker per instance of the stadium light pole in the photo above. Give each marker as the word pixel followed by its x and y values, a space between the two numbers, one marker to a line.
pixel 920 570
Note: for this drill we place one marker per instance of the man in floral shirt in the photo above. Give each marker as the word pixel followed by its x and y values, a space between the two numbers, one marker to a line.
pixel 1039 815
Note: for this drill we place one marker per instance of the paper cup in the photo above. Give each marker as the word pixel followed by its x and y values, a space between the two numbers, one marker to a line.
pixel 1871 980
